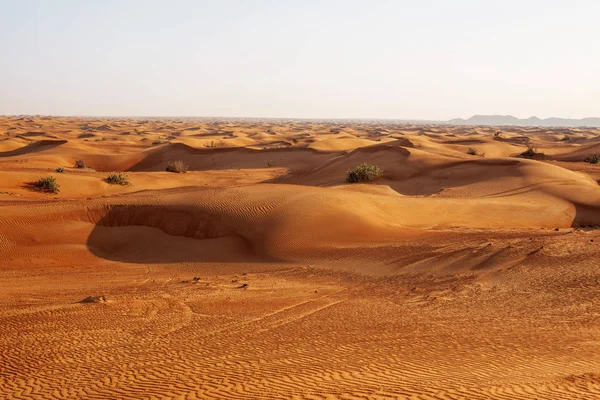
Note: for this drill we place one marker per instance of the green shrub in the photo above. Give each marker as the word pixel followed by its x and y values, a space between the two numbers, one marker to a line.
pixel 177 167
pixel 117 178
pixel 364 172
pixel 270 163
pixel 80 164
pixel 593 159
pixel 60 170
pixel 48 184
pixel 565 138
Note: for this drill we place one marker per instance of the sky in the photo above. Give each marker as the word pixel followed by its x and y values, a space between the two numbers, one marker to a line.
pixel 417 59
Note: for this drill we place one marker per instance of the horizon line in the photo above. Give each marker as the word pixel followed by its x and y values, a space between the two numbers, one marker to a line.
pixel 293 118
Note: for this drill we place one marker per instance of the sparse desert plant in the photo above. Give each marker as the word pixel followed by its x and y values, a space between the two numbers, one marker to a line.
pixel 530 152
pixel 295 140
pixel 80 164
pixel 48 184
pixel 157 142
pixel 474 152
pixel 117 178
pixel 270 163
pixel 213 144
pixel 565 138
pixel 593 159
pixel 177 167
pixel 60 170
pixel 364 172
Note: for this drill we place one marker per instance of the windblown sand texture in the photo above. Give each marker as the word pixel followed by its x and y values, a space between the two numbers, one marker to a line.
pixel 261 274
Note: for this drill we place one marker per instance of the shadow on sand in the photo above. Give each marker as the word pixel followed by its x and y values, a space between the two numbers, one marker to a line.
pixel 165 234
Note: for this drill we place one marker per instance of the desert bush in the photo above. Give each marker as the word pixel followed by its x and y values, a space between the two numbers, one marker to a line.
pixel 48 184
pixel 474 152
pixel 565 138
pixel 530 152
pixel 364 172
pixel 212 144
pixel 593 159
pixel 60 170
pixel 177 167
pixel 270 163
pixel 157 142
pixel 80 164
pixel 117 178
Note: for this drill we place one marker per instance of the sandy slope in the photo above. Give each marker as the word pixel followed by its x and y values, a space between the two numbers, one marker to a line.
pixel 452 276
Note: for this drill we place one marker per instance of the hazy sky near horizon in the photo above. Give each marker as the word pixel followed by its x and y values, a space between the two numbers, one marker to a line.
pixel 433 59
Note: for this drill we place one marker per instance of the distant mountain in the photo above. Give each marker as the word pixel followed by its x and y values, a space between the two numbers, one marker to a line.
pixel 498 120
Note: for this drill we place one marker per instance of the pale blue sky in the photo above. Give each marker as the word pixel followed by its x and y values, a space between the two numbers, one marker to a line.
pixel 415 59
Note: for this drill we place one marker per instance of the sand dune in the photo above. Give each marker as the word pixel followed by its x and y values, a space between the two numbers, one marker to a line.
pixel 40 145
pixel 262 273
pixel 580 153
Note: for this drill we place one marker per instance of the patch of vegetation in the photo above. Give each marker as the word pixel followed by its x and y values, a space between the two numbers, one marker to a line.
pixel 364 172
pixel 157 142
pixel 60 170
pixel 213 144
pixel 565 138
pixel 117 178
pixel 80 164
pixel 474 152
pixel 530 152
pixel 48 184
pixel 593 159
pixel 270 163
pixel 177 167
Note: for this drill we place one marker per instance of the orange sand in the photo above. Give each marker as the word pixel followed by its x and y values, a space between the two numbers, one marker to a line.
pixel 453 276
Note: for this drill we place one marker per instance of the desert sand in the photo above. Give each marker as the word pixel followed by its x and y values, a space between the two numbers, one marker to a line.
pixel 262 274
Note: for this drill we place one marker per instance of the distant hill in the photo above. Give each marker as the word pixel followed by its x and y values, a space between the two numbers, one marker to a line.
pixel 531 121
